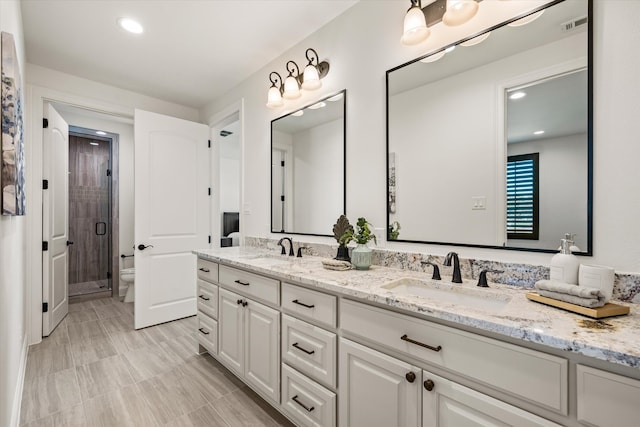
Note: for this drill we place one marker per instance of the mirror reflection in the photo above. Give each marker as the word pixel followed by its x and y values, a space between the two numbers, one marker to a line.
pixel 308 168
pixel 488 144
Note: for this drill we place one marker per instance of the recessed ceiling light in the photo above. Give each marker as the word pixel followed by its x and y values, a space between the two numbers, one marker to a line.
pixel 101 133
pixel 517 95
pixel 94 143
pixel 538 132
pixel 131 25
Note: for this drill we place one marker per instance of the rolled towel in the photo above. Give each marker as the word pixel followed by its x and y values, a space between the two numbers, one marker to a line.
pixel 574 294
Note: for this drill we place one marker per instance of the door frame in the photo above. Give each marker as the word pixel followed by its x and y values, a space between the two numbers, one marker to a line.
pixel 214 122
pixel 37 96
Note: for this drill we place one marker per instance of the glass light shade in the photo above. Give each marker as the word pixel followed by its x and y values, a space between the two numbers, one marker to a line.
pixel 291 88
pixel 459 11
pixel 311 78
pixel 274 100
pixel 526 20
pixel 415 27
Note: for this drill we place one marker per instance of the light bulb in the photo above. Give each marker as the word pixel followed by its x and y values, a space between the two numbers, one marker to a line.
pixel 415 26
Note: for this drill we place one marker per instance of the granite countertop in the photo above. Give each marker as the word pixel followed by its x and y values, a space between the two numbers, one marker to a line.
pixel 507 313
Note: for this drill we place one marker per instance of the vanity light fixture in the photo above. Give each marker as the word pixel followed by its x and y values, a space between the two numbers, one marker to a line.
pixel 274 97
pixel 101 133
pixel 517 95
pixel 527 19
pixel 459 12
pixel 415 25
pixel 314 71
pixel 130 25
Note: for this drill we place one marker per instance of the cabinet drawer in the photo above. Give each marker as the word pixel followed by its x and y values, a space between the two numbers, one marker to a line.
pixel 208 333
pixel 497 364
pixel 309 304
pixel 208 298
pixel 207 270
pixel 251 284
pixel 308 403
pixel 607 399
pixel 310 349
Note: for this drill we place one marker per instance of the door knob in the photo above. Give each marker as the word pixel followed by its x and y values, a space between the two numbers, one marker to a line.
pixel 142 247
pixel 411 377
pixel 428 384
pixel 69 243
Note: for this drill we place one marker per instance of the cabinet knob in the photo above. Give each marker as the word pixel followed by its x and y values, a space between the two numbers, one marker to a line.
pixel 428 384
pixel 411 377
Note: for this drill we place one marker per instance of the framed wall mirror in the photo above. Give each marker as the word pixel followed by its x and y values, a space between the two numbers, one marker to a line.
pixel 308 168
pixel 490 144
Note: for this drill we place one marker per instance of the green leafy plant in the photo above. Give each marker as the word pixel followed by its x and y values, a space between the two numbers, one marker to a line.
pixel 362 234
pixel 394 230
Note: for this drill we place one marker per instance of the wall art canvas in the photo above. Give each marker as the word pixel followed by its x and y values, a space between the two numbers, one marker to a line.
pixel 12 178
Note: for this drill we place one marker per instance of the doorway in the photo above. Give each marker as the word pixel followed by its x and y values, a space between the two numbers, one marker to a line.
pixel 90 213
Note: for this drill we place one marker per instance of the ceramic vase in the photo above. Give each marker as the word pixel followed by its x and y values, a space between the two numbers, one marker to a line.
pixel 361 257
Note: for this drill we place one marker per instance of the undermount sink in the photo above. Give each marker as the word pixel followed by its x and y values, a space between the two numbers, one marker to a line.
pixel 481 299
pixel 272 259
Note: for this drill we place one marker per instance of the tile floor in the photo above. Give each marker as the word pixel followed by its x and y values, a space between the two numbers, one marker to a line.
pixel 96 370
pixel 85 288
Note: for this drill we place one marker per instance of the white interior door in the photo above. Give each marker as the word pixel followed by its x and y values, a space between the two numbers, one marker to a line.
pixel 55 221
pixel 171 215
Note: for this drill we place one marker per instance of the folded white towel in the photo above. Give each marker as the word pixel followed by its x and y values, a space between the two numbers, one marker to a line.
pixel 574 294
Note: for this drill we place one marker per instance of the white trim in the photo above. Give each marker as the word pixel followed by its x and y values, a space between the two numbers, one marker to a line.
pixel 17 398
pixel 214 121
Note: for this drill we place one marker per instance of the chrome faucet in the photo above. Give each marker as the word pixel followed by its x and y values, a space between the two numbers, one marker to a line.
pixel 457 277
pixel 284 252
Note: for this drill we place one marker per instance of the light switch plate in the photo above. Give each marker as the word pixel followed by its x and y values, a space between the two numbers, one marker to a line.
pixel 478 203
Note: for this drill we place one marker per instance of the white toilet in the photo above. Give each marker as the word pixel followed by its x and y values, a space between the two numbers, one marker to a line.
pixel 127 275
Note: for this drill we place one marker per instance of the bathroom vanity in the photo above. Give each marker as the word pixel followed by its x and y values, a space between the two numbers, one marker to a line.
pixel 373 348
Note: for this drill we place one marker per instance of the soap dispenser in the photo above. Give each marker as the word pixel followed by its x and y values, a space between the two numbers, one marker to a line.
pixel 564 265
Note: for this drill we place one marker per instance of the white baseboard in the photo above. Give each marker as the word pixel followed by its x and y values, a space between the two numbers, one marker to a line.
pixel 17 398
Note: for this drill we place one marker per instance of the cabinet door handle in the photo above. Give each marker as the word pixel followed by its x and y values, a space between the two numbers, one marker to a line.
pixel 239 302
pixel 206 270
pixel 242 283
pixel 295 399
pixel 428 384
pixel 295 301
pixel 202 330
pixel 411 377
pixel 203 297
pixel 244 303
pixel 407 339
pixel 295 344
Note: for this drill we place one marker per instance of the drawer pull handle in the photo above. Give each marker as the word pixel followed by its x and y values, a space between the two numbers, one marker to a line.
pixel 428 384
pixel 295 399
pixel 295 344
pixel 242 283
pixel 295 301
pixel 407 339
pixel 203 297
pixel 206 270
pixel 202 329
pixel 411 377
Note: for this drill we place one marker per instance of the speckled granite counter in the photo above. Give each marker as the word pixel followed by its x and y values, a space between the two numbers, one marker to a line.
pixel 614 339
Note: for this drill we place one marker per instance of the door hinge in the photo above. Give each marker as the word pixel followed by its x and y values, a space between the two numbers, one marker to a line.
pixel 45 307
pixel 282 198
pixel 209 192
pixel 209 239
pixel 45 123
pixel 282 163
pixel 45 184
pixel 108 172
pixel 209 144
pixel 45 246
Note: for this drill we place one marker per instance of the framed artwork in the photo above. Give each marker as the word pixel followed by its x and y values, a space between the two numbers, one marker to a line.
pixel 12 177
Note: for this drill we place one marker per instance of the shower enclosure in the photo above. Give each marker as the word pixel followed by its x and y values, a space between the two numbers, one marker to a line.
pixel 89 214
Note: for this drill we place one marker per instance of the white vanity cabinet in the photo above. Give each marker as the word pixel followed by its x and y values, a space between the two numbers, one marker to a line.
pixel 208 305
pixel 249 335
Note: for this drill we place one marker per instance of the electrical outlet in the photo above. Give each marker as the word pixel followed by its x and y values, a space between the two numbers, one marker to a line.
pixel 478 203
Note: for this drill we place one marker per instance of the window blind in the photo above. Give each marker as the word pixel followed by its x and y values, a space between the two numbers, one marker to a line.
pixel 522 196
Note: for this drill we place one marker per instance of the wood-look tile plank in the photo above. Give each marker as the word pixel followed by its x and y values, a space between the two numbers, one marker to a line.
pixel 185 347
pixel 123 407
pixel 209 380
pixel 85 331
pixel 102 376
pixel 148 361
pixel 72 417
pixel 110 310
pixel 81 316
pixel 92 350
pixel 59 336
pixel 121 323
pixel 44 396
pixel 205 416
pixel 240 409
pixel 130 340
pixel 47 361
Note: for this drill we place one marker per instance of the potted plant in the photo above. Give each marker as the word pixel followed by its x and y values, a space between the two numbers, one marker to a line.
pixel 341 228
pixel 361 255
pixel 394 230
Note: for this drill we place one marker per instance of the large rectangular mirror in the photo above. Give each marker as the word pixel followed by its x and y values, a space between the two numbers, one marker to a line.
pixel 308 168
pixel 490 144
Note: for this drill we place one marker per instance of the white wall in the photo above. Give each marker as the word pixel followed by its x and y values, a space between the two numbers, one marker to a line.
pixel 562 187
pixel 13 290
pixel 364 42
pixel 230 173
pixel 317 177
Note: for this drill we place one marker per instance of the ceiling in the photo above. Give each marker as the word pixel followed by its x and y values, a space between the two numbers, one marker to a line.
pixel 191 51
